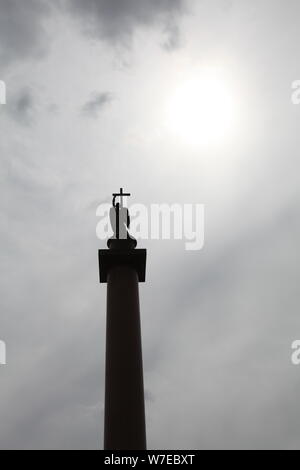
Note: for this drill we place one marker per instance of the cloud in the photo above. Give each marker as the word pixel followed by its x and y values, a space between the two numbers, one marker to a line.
pixel 116 20
pixel 22 33
pixel 22 24
pixel 22 107
pixel 97 102
pixel 172 40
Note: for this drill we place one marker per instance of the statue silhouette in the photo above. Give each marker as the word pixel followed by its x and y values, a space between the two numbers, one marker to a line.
pixel 120 223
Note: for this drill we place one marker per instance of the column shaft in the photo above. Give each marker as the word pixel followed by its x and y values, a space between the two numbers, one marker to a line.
pixel 124 388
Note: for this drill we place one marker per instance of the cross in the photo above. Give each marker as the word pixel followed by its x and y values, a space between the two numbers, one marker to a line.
pixel 121 194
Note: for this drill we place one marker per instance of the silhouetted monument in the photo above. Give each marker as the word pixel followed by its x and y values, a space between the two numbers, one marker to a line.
pixel 122 267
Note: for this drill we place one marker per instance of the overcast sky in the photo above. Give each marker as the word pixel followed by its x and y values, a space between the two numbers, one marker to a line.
pixel 89 83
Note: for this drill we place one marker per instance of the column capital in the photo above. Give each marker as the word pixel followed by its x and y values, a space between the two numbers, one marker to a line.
pixel 135 258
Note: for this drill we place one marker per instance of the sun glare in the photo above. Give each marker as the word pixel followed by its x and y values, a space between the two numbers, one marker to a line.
pixel 201 110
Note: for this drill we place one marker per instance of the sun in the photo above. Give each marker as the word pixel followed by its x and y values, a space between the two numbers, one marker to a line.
pixel 201 109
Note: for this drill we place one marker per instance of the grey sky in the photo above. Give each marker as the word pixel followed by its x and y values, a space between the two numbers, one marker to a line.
pixel 116 21
pixel 217 324
pixel 22 29
pixel 96 103
pixel 22 106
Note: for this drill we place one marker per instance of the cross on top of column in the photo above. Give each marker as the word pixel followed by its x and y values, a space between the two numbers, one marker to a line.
pixel 121 194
